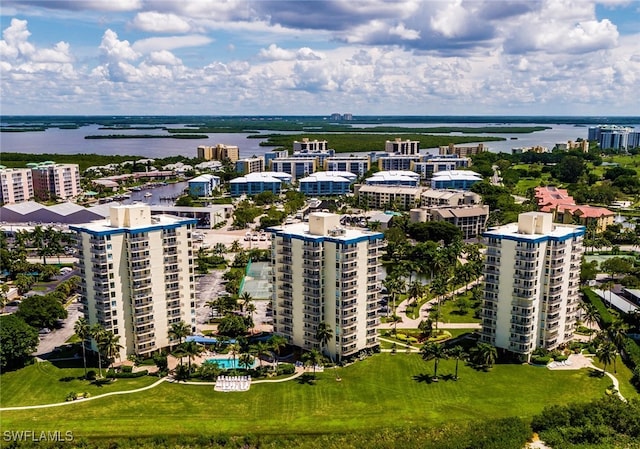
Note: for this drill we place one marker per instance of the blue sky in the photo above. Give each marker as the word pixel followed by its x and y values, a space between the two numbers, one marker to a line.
pixel 300 57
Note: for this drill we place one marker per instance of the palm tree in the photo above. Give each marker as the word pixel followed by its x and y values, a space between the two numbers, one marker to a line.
pixel 606 353
pixel 234 349
pixel 438 288
pixel 83 331
pixel 436 352
pixel 246 360
pixel 219 249
pixel 261 349
pixel 235 246
pixel 312 358
pixel 457 352
pixel 416 290
pixel 179 331
pixel 324 334
pixel 486 354
pixel 250 309
pixel 395 319
pixel 97 332
pixel 110 344
pixel 191 349
pixel 246 299
pixel 277 342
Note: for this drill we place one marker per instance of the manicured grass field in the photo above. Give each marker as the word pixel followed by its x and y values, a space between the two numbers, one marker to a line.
pixel 44 383
pixel 449 311
pixel 380 392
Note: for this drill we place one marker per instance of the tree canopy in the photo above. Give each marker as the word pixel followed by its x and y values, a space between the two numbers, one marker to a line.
pixel 18 341
pixel 41 311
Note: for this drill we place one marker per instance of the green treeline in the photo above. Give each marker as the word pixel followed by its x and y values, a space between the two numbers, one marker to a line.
pixel 148 136
pixel 84 161
pixel 347 143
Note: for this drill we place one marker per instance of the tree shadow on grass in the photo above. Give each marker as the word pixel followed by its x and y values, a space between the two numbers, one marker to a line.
pixel 68 378
pixel 425 378
pixel 307 378
pixel 595 373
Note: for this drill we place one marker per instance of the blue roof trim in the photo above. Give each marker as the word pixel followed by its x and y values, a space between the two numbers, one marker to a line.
pixel 323 238
pixel 133 231
pixel 578 232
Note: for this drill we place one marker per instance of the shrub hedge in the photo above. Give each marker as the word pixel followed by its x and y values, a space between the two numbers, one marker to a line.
pixel 111 374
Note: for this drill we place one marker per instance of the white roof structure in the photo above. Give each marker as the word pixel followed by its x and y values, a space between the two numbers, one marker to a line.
pixel 616 301
pixel 205 178
pixel 337 176
pixel 393 176
pixel 265 176
pixel 33 212
pixel 456 175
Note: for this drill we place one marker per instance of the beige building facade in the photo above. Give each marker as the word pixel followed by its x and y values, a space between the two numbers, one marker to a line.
pixel 382 197
pixel 219 152
pixel 137 276
pixel 532 280
pixel 51 180
pixel 324 273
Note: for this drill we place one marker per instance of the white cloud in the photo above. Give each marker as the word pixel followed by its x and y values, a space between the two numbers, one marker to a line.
pixel 170 43
pixel 115 50
pixel 59 53
pixel 164 57
pixel 404 33
pixel 275 53
pixel 156 22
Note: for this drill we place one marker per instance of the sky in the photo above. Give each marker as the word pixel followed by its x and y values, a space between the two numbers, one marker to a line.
pixel 301 57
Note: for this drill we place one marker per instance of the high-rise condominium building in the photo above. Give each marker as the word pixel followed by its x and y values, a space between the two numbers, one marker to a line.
pixel 532 277
pixel 51 180
pixel 16 185
pixel 326 273
pixel 399 146
pixel 219 152
pixel 137 276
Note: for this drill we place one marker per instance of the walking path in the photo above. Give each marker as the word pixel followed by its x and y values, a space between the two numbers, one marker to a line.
pixel 59 404
pixel 579 361
pixel 412 323
pixel 299 372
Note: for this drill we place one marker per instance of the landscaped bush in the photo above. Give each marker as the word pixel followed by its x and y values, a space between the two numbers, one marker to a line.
pixel 111 374
pixel 560 358
pixel 584 330
pixel 127 369
pixel 286 368
pixel 540 359
pixel 604 316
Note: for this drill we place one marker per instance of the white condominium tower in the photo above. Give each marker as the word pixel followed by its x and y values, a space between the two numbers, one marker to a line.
pixel 532 276
pixel 326 273
pixel 137 276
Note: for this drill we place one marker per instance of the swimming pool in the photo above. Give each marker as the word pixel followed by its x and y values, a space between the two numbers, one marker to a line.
pixel 229 363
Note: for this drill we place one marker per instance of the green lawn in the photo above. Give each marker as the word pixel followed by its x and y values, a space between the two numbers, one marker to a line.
pixel 624 375
pixel 44 383
pixel 449 311
pixel 380 392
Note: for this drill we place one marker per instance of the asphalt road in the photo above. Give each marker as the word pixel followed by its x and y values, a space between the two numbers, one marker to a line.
pixel 58 337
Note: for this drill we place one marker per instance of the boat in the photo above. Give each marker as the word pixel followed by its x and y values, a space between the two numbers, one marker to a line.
pixel 148 194
pixel 136 189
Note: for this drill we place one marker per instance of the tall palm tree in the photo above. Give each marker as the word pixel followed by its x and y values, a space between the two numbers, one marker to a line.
pixel 83 331
pixel 246 360
pixel 110 346
pixel 457 352
pixel 234 349
pixel 312 358
pixel 324 334
pixel 246 299
pixel 433 351
pixel 438 288
pixel 191 349
pixel 395 319
pixel 179 331
pixel 608 286
pixel 261 349
pixel 97 333
pixel 606 353
pixel 277 342
pixel 416 290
